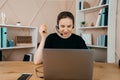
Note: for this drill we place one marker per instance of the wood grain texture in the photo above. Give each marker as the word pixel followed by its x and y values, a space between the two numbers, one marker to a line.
pixel 12 70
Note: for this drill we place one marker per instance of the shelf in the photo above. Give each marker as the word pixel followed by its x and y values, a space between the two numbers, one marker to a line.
pixel 17 47
pixel 95 46
pixel 104 53
pixel 99 27
pixel 16 26
pixel 92 9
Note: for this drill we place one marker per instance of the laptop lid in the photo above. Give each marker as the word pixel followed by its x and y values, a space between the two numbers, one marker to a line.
pixel 68 64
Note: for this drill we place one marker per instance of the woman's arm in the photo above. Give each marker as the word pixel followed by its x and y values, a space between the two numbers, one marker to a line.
pixel 39 52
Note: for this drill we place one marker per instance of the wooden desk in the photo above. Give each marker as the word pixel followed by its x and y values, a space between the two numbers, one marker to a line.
pixel 12 70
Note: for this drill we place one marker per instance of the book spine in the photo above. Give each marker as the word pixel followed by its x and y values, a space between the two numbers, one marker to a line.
pixel 104 17
pixel 102 40
pixel 106 40
pixel 102 20
pixel 99 18
pixel 0 55
pixel 0 37
pixel 100 3
pixel 4 37
pixel 107 1
pixel 82 4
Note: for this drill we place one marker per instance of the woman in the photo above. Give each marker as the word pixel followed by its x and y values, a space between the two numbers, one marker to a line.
pixel 64 38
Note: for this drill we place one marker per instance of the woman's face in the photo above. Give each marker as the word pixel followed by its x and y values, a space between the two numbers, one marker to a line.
pixel 65 27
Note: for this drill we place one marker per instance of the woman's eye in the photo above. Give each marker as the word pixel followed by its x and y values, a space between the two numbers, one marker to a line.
pixel 62 26
pixel 69 26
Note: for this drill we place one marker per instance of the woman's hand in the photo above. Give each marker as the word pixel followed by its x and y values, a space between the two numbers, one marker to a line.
pixel 43 30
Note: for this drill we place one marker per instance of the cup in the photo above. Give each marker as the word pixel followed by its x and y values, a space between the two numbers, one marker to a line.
pixel 10 43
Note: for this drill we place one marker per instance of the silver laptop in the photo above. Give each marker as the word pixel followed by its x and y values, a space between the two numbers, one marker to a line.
pixel 68 64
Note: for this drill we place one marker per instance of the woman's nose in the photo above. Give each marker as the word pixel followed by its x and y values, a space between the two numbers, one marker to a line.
pixel 66 29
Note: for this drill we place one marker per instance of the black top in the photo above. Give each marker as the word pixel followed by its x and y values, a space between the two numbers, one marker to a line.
pixel 73 42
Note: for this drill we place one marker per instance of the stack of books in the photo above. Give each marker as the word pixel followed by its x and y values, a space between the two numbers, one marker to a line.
pixel 102 19
pixel 102 40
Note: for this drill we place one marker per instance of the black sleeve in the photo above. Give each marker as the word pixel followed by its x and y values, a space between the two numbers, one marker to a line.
pixel 84 46
pixel 82 43
pixel 48 43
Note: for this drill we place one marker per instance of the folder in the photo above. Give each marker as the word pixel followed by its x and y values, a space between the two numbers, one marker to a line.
pixel 104 17
pixel 0 55
pixel 0 37
pixel 99 18
pixel 3 37
pixel 80 5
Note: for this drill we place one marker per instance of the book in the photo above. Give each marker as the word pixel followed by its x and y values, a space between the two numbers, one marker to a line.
pixel 0 37
pixel 87 37
pixel 81 5
pixel 102 40
pixel 99 17
pixel 104 2
pixel 102 20
pixel 100 3
pixel 107 1
pixel 99 40
pixel 0 55
pixel 3 37
pixel 106 38
pixel 104 17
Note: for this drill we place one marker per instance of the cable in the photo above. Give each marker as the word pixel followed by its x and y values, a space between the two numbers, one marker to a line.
pixel 37 71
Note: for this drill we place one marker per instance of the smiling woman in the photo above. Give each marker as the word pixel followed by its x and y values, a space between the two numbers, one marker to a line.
pixel 63 39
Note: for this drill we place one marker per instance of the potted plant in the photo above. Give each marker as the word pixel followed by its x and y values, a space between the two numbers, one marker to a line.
pixel 82 23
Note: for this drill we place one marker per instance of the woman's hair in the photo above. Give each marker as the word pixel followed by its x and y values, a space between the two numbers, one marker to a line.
pixel 65 14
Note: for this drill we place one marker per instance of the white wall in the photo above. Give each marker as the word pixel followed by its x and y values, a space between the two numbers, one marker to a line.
pixel 118 33
pixel 33 13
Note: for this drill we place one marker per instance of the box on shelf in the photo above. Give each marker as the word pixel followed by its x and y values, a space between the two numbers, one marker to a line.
pixel 23 40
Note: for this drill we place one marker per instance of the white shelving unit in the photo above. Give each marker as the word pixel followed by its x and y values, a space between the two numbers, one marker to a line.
pixel 80 16
pixel 97 46
pixel 88 10
pixel 98 27
pixel 31 31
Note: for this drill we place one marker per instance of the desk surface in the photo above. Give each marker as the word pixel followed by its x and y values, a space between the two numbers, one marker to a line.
pixel 12 70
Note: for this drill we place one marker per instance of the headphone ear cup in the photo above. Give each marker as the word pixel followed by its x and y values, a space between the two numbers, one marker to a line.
pixel 57 26
pixel 73 27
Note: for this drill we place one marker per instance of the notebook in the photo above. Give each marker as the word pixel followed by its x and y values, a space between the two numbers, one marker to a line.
pixel 68 64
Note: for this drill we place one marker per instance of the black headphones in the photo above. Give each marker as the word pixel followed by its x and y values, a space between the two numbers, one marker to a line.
pixel 57 27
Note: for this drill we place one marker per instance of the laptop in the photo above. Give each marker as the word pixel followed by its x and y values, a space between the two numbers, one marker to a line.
pixel 68 64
